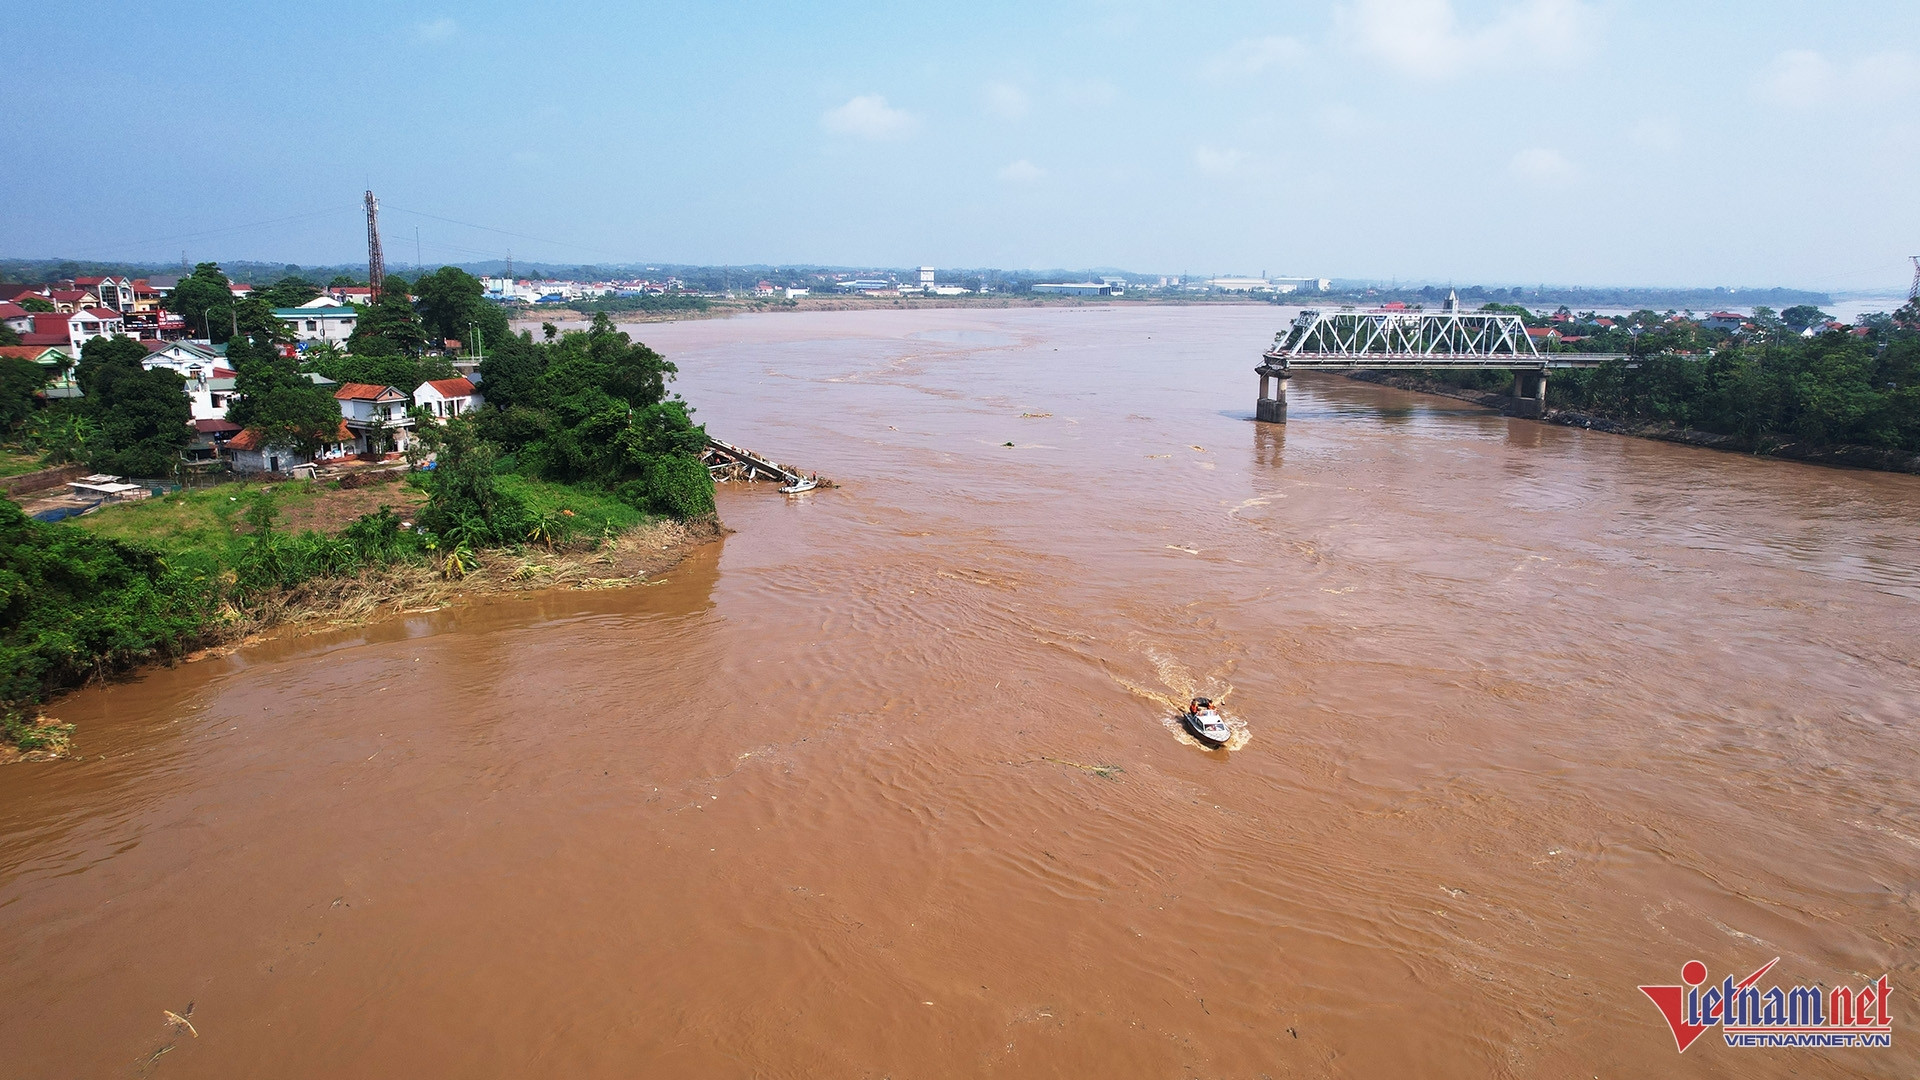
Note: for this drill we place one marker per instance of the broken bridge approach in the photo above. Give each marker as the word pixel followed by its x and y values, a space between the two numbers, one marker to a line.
pixel 1388 339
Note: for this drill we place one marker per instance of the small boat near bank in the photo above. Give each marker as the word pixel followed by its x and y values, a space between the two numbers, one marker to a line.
pixel 1206 723
pixel 804 483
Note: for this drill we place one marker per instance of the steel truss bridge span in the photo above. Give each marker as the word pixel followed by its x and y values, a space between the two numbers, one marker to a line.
pixel 1388 339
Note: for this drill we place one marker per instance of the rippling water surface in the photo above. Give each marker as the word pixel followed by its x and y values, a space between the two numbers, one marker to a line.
pixel 889 783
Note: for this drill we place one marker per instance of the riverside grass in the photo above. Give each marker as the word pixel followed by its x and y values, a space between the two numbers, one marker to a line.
pixel 166 579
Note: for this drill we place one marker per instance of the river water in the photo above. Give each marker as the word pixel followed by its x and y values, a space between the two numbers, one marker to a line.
pixel 1531 716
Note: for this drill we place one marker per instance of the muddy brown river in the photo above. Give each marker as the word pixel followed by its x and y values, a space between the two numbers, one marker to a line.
pixel 888 782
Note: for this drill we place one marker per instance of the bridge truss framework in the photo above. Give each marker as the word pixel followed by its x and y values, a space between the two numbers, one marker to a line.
pixel 1387 339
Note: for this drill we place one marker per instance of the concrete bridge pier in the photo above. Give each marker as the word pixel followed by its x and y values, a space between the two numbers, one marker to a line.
pixel 1529 393
pixel 1272 406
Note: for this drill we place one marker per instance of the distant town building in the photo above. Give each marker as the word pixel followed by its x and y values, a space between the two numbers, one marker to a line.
pixel 926 279
pixel 1075 288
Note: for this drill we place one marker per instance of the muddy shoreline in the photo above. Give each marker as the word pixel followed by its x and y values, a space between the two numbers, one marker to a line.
pixel 380 593
pixel 1847 457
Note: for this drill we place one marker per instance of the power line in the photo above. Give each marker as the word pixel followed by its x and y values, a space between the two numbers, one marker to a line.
pixel 506 232
pixel 217 232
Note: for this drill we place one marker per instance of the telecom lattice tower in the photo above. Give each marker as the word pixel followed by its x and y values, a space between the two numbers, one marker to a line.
pixel 1913 290
pixel 376 265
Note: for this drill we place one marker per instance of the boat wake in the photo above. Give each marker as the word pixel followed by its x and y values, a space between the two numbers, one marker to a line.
pixel 1178 686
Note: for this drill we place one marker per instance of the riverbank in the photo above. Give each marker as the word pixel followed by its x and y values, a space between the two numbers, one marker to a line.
pixel 1840 456
pixel 197 574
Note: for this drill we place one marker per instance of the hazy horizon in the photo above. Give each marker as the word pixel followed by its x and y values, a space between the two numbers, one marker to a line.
pixel 1556 141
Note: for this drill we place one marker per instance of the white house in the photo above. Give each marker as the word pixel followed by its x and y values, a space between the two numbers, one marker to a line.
pixel 114 292
pixel 248 453
pixel 373 420
pixel 211 396
pixel 318 323
pixel 375 415
pixel 89 323
pixel 190 359
pixel 448 397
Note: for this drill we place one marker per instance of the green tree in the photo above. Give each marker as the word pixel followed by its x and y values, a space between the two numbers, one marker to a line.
pixel 141 417
pixel 1801 316
pixel 8 336
pixel 389 326
pixel 465 499
pixel 20 381
pixel 290 292
pixel 205 299
pixel 273 398
pixel 345 281
pixel 452 304
pixel 101 351
pixel 38 304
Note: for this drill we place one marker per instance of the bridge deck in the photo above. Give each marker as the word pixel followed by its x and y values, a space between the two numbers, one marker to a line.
pixel 1345 361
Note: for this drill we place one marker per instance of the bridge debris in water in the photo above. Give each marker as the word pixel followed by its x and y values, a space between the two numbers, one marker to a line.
pixel 726 461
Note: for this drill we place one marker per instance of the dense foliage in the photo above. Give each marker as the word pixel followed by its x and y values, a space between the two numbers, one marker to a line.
pixel 389 326
pixel 20 380
pixel 73 605
pixel 138 418
pixel 273 398
pixel 592 407
pixel 1837 388
pixel 453 306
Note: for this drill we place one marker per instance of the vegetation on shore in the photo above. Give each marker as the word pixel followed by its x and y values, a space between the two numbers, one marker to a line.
pixel 582 444
pixel 1763 389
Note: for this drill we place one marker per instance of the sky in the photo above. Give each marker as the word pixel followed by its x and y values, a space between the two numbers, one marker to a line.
pixel 1596 142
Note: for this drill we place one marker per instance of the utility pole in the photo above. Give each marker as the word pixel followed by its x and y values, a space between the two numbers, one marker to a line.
pixel 417 264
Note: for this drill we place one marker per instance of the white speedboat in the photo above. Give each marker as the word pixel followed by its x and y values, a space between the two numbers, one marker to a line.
pixel 804 483
pixel 1206 723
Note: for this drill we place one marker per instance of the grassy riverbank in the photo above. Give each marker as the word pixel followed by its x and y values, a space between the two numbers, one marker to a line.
pixel 161 579
pixel 580 469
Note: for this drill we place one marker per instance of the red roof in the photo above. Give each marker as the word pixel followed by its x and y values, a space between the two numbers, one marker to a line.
pixel 11 310
pixel 15 292
pixel 87 282
pixel 215 427
pixel 103 313
pixel 43 339
pixel 155 344
pixel 44 321
pixel 250 439
pixel 355 391
pixel 23 352
pixel 223 373
pixel 451 387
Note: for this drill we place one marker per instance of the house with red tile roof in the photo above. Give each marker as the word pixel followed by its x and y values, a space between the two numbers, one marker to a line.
pixel 114 292
pixel 448 397
pixel 376 414
pixel 14 317
pixel 248 452
pixel 89 323
pixel 68 301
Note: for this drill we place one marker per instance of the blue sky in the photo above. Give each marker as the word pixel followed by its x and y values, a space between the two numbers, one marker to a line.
pixel 1504 141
